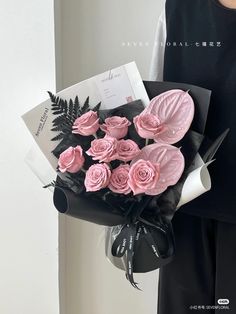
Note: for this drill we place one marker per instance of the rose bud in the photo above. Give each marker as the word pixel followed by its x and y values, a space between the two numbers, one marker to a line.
pixel 97 177
pixel 116 126
pixel 119 180
pixel 87 124
pixel 71 160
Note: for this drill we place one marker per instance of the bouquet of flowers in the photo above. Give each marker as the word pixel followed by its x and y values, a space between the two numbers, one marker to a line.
pixel 125 168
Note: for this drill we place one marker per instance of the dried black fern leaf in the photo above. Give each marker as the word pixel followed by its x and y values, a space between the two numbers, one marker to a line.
pixel 52 97
pixel 76 108
pixel 51 184
pixel 56 129
pixel 66 116
pixel 97 107
pixel 77 182
pixel 59 106
pixel 66 141
pixel 58 137
pixel 85 107
pixel 59 182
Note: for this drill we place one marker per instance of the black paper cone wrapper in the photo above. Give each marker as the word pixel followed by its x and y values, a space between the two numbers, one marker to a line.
pixel 99 212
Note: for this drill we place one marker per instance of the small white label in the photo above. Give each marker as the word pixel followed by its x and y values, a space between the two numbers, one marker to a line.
pixel 223 301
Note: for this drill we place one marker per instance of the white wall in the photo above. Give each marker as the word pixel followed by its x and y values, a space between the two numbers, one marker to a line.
pixel 93 36
pixel 28 221
pixel 99 34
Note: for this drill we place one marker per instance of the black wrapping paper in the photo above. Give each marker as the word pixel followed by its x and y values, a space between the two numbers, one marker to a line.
pixel 156 217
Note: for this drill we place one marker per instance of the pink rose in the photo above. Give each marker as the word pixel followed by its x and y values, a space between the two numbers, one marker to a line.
pixel 170 160
pixel 119 180
pixel 97 177
pixel 127 150
pixel 103 149
pixel 143 176
pixel 87 124
pixel 148 125
pixel 116 126
pixel 71 160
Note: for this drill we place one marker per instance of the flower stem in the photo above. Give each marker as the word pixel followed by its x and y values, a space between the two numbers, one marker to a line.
pixel 83 170
pixel 146 143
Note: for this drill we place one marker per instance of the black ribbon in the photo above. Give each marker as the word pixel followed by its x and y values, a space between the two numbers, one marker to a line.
pixel 130 234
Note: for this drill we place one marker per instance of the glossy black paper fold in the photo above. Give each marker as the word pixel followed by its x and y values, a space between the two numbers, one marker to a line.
pixel 95 211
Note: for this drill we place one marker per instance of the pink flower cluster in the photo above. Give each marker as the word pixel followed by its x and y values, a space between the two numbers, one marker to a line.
pixel 109 148
pixel 153 168
pixel 141 177
pixel 88 124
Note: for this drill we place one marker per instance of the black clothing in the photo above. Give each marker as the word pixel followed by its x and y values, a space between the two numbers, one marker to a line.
pixel 203 269
pixel 201 50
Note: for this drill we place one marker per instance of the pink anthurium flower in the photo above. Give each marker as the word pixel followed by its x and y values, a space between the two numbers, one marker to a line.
pixel 174 110
pixel 171 165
